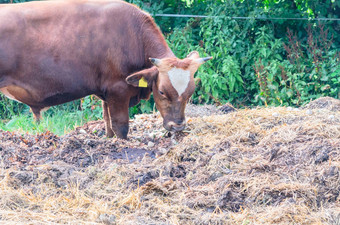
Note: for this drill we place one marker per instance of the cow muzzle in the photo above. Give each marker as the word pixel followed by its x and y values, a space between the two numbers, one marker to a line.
pixel 172 126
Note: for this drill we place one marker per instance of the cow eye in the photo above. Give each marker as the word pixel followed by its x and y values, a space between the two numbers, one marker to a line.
pixel 161 92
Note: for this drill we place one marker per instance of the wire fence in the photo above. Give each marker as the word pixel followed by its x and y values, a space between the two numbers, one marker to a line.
pixel 247 18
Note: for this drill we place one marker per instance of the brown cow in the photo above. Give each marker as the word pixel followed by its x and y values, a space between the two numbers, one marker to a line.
pixel 57 51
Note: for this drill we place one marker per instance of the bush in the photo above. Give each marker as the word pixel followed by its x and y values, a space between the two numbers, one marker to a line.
pixel 256 65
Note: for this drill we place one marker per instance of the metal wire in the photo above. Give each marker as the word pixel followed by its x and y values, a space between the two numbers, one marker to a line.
pixel 245 18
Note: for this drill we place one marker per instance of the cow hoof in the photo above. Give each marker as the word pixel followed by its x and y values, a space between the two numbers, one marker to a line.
pixel 109 134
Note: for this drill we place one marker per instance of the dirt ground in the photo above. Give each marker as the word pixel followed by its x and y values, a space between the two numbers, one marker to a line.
pixel 251 166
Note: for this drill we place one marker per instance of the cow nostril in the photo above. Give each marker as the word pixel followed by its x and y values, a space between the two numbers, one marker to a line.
pixel 180 122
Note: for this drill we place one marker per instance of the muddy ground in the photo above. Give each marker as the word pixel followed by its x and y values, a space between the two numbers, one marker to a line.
pixel 251 166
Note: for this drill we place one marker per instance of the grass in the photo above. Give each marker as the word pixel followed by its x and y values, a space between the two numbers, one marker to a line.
pixel 61 119
pixel 57 121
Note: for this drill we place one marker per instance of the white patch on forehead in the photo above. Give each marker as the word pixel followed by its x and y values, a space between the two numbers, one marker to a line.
pixel 179 79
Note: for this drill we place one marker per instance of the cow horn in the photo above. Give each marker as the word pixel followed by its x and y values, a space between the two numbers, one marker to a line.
pixel 203 60
pixel 155 61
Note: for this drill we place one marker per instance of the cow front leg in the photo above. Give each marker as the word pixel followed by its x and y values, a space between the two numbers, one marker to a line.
pixel 119 116
pixel 106 116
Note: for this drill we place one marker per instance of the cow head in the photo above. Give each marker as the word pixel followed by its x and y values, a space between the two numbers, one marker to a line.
pixel 172 82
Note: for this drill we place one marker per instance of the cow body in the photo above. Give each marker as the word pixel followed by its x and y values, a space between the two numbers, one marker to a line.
pixel 58 51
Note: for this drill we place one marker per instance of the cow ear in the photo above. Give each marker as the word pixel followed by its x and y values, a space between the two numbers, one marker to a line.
pixel 143 78
pixel 193 55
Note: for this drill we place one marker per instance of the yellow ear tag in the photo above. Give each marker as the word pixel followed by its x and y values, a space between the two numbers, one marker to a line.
pixel 143 83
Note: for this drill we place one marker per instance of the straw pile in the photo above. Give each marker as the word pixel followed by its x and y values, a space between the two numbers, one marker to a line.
pixel 252 166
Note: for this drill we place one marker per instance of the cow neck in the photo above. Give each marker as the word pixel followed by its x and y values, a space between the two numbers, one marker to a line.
pixel 154 42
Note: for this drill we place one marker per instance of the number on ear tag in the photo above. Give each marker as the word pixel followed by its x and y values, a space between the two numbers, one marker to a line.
pixel 143 83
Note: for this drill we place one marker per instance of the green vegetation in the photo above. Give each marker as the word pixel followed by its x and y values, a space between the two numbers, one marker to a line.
pixel 60 123
pixel 256 61
pixel 264 62
pixel 58 119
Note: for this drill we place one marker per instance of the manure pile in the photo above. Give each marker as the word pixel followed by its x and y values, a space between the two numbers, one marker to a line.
pixel 252 166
